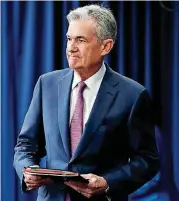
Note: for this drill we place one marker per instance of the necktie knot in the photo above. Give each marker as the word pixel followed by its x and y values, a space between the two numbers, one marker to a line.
pixel 81 87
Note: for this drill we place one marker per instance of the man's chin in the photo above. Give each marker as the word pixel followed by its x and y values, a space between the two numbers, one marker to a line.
pixel 74 67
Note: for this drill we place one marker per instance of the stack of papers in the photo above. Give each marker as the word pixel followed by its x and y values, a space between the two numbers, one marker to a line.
pixel 54 173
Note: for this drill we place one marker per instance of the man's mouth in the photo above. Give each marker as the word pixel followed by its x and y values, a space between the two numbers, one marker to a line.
pixel 73 56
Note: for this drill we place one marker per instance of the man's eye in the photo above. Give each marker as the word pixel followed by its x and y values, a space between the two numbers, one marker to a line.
pixel 80 40
pixel 68 39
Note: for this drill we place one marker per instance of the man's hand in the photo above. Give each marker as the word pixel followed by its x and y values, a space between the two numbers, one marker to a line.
pixel 33 181
pixel 96 185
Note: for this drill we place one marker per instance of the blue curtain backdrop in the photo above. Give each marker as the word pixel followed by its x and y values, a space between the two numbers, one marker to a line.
pixel 147 50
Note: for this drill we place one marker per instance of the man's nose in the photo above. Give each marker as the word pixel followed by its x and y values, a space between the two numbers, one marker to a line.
pixel 72 47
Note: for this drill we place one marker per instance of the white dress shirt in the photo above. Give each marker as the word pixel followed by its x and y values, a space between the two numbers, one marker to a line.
pixel 89 94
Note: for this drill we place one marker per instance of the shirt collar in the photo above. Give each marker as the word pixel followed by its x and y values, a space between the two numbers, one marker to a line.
pixel 91 81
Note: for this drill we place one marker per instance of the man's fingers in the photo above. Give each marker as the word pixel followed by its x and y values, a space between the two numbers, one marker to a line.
pixel 33 182
pixel 85 194
pixel 84 191
pixel 74 186
pixel 79 187
pixel 36 178
pixel 31 187
pixel 32 178
pixel 96 185
pixel 87 176
pixel 38 182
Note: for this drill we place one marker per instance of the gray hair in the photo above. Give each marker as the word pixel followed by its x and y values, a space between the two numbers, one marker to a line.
pixel 106 26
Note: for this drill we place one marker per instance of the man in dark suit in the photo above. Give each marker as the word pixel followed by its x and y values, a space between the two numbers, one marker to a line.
pixel 88 119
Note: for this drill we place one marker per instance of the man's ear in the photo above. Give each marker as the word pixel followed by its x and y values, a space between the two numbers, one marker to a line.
pixel 106 46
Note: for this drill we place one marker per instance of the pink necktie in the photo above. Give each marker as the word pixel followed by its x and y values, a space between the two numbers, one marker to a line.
pixel 76 127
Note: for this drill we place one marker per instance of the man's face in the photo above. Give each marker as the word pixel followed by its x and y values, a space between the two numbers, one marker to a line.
pixel 83 51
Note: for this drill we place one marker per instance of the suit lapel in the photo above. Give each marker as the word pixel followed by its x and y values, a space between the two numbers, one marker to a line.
pixel 64 91
pixel 100 108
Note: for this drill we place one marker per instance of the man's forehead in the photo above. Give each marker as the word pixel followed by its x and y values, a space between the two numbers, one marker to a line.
pixel 80 32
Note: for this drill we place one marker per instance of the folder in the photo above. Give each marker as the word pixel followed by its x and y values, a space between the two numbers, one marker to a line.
pixel 55 174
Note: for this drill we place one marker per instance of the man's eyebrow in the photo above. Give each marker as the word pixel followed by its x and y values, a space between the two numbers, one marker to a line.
pixel 76 37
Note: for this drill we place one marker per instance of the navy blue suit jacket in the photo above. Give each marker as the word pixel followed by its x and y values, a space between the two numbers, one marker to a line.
pixel 118 141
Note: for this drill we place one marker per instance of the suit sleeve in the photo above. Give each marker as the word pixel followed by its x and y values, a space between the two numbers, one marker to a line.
pixel 30 143
pixel 144 161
